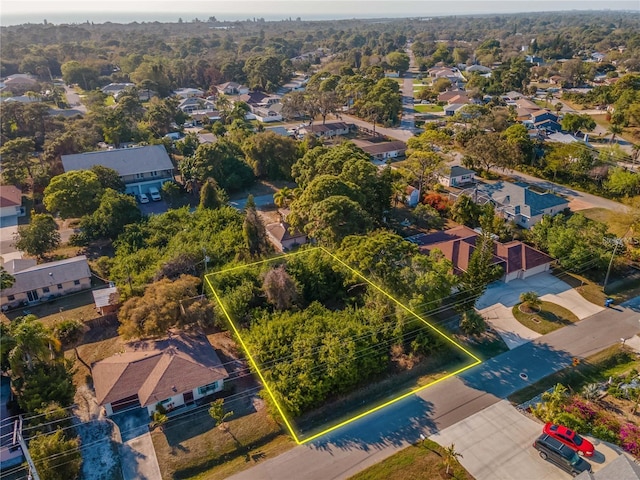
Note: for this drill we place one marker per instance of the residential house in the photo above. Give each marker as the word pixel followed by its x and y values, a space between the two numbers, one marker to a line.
pixel 106 300
pixel 383 150
pixel 560 137
pixel 188 92
pixel 327 130
pixel 450 110
pixel 481 69
pixel 411 196
pixel 457 176
pixel 22 99
pixel 512 96
pixel 205 116
pixel 20 81
pixel 516 259
pixel 192 104
pixel 232 88
pixel 450 73
pixel 449 94
pixel 139 167
pixel 10 205
pixel 116 88
pixel 283 238
pixel 264 108
pixel 621 468
pixel 279 130
pixel 598 57
pixel 525 108
pixel 42 282
pixel 518 203
pixel 545 120
pixel 556 80
pixel 173 372
pixel 534 59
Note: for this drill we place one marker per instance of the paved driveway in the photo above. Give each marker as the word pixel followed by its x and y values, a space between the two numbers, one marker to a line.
pixel 137 455
pixel 496 444
pixel 547 286
pixel 496 303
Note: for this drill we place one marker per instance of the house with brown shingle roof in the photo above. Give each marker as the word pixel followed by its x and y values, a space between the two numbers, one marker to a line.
pixel 517 259
pixel 283 238
pixel 174 372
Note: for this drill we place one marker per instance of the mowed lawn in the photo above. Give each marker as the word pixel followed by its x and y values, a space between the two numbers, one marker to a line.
pixel 191 446
pixel 425 460
pixel 617 222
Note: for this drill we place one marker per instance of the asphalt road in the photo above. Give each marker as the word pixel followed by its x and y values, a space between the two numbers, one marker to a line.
pixel 73 99
pixel 373 438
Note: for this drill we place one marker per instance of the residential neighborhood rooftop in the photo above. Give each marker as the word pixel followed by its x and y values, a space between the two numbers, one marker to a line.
pixel 126 161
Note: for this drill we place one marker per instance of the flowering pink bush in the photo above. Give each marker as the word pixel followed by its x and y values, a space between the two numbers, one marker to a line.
pixel 579 407
pixel 630 438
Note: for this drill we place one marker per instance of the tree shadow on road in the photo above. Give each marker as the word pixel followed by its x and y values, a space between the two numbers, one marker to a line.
pixel 397 425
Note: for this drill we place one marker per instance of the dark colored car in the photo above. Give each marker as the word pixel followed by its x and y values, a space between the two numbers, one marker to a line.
pixel 560 455
pixel 570 438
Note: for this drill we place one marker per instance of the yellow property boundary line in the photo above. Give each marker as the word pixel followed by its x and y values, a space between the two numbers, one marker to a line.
pixel 253 362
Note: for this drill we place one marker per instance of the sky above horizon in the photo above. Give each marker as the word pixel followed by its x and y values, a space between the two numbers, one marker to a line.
pixel 75 11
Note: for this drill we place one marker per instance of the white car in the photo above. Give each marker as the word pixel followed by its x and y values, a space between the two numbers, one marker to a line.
pixel 154 194
pixel 142 198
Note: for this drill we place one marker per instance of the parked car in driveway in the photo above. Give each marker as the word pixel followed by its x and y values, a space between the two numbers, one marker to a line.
pixel 570 438
pixel 561 455
pixel 154 194
pixel 142 198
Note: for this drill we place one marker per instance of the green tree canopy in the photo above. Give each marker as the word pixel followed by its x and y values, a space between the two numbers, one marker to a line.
pixel 56 455
pixel 270 155
pixel 108 178
pixel 73 194
pixel 165 304
pixel 39 236
pixel 114 212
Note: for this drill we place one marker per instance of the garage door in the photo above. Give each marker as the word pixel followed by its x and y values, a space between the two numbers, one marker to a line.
pixel 125 404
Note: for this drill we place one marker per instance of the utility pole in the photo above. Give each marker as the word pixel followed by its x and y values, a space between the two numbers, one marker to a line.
pixel 617 243
pixel 17 435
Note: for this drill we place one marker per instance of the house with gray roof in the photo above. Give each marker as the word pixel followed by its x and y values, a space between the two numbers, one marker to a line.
pixel 10 205
pixel 139 167
pixel 622 468
pixel 518 203
pixel 34 283
pixel 173 372
pixel 456 176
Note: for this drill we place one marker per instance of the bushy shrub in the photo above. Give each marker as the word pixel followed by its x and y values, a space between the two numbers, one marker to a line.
pixel 472 323
pixel 581 409
pixel 68 331
pixel 572 421
pixel 603 433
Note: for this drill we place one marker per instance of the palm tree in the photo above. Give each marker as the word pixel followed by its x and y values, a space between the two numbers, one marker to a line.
pixel 283 197
pixel 399 191
pixel 29 340
pixel 614 129
pixel 451 456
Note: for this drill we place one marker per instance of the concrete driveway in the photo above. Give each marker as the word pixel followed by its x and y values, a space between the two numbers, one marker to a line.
pixel 496 303
pixel 137 455
pixel 496 444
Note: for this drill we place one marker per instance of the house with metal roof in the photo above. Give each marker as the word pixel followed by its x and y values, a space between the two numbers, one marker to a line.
pixel 173 372
pixel 518 203
pixel 139 167
pixel 34 283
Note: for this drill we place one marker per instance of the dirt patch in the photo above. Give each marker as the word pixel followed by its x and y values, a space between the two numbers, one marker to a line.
pixel 576 205
pixel 100 457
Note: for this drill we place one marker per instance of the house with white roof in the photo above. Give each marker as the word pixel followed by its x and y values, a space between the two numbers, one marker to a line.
pixel 34 283
pixel 139 167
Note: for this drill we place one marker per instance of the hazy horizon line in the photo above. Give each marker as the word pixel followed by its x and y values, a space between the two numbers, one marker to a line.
pixel 350 10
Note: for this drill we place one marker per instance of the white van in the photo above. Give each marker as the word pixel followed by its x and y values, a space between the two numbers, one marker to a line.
pixel 154 194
